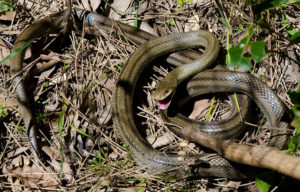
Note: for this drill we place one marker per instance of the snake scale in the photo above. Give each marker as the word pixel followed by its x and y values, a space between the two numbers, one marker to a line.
pixel 189 63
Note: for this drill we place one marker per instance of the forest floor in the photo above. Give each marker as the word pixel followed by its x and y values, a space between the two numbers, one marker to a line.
pixel 73 93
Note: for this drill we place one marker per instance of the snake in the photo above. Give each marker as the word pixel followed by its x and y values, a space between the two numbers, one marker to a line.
pixel 188 65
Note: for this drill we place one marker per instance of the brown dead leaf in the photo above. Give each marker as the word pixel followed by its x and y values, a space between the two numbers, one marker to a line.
pixel 16 152
pixel 56 163
pixel 43 76
pixel 33 176
pixel 8 102
pixel 199 108
pixel 164 140
pixel 232 185
pixel 114 155
pixel 143 7
pixel 28 53
pixel 146 27
pixel 7 16
pixel 47 62
pixel 67 171
pixel 28 4
pixel 91 5
pixel 105 115
pixel 293 69
pixel 121 5
pixel 8 32
pixel 193 24
pixel 4 52
pixel 5 101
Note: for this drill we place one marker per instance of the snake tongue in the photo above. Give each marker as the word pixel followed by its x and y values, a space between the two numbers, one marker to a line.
pixel 164 104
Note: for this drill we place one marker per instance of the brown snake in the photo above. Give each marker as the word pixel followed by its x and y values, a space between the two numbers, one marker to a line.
pixel 123 116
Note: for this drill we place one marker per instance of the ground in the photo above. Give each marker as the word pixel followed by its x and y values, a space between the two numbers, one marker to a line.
pixel 74 83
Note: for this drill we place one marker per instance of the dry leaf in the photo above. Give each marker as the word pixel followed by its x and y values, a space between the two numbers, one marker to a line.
pixel 33 176
pixel 28 4
pixel 5 101
pixel 4 52
pixel 193 24
pixel 16 152
pixel 232 185
pixel 143 7
pixel 120 5
pixel 146 27
pixel 200 108
pixel 166 139
pixel 7 16
pixel 90 5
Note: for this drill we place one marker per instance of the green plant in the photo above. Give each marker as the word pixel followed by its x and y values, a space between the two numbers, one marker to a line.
pixel 39 114
pixel 180 5
pixel 104 164
pixel 236 55
pixel 26 44
pixel 264 181
pixel 79 131
pixel 3 111
pixel 6 5
pixel 294 143
pixel 270 5
pixel 61 121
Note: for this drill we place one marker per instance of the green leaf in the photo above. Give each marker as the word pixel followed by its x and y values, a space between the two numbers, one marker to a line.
pixel 235 54
pixel 246 63
pixel 297 123
pixel 291 147
pixel 296 140
pixel 136 21
pixel 4 113
pixel 292 1
pixel 183 2
pixel 264 181
pixel 46 84
pixel 295 38
pixel 16 51
pixel 243 43
pixel 258 50
pixel 171 22
pixel 180 2
pixel 269 4
pixel 237 59
pixel 79 131
pixel 20 128
pixel 290 30
pixel 295 96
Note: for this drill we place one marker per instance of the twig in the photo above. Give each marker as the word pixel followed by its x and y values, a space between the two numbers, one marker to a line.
pixel 257 156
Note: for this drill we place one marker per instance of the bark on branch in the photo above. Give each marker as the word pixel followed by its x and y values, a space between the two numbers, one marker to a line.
pixel 257 156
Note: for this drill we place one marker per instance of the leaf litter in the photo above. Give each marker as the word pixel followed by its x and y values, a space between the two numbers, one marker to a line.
pixel 83 76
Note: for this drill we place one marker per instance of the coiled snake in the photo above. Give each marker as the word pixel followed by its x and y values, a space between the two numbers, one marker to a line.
pixel 123 117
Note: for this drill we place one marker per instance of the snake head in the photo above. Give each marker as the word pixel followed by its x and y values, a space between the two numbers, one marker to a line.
pixel 165 91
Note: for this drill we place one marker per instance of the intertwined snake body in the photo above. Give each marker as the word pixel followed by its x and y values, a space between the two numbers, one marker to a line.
pixel 123 116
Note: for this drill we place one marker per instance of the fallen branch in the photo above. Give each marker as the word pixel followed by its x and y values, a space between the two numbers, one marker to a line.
pixel 257 156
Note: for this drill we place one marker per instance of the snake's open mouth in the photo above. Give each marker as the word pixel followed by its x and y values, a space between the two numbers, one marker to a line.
pixel 164 104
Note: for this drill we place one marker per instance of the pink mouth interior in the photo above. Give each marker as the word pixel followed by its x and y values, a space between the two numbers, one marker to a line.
pixel 163 104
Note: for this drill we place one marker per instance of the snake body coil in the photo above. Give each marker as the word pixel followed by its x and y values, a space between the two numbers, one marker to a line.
pixel 123 117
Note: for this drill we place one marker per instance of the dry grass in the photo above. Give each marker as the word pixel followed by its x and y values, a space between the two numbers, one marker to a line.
pixel 82 79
